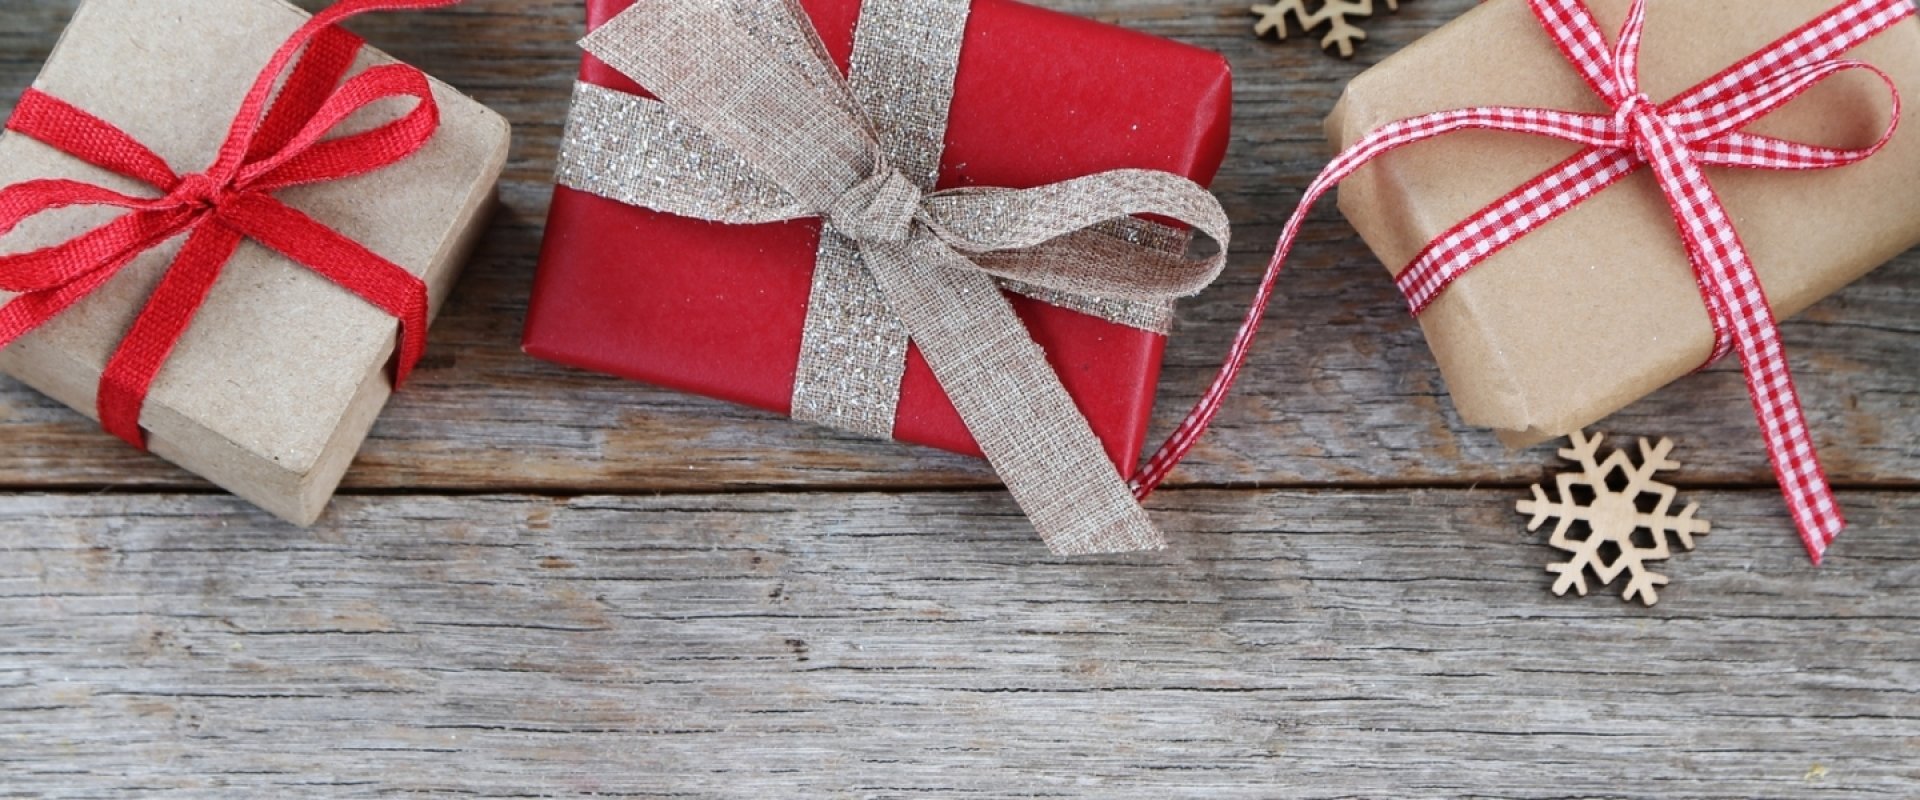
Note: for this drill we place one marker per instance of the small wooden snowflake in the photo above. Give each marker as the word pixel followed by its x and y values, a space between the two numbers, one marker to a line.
pixel 1344 35
pixel 1614 517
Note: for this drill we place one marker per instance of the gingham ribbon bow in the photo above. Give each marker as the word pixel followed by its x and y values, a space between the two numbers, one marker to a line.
pixel 1677 139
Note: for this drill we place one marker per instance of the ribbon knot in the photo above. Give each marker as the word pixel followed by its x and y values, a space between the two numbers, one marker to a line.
pixel 879 209
pixel 1640 121
pixel 276 141
pixel 200 191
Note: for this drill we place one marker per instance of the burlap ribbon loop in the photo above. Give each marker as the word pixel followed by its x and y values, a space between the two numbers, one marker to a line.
pixel 1049 237
pixel 776 133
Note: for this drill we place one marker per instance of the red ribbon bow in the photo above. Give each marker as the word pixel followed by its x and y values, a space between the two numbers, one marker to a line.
pixel 273 144
pixel 1677 139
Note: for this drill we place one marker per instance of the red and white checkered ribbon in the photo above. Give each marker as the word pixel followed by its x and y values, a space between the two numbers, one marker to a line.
pixel 1677 139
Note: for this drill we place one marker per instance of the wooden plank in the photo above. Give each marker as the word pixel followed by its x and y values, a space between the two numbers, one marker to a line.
pixel 1339 644
pixel 1343 391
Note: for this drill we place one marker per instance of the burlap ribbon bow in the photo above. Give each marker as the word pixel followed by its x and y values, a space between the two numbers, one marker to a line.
pixel 756 125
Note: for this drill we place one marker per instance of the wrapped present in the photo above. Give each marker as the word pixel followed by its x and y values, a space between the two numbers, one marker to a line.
pixel 1599 309
pixel 238 320
pixel 725 241
pixel 1597 215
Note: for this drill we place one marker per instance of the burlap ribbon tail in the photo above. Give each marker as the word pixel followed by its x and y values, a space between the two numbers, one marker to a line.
pixel 755 125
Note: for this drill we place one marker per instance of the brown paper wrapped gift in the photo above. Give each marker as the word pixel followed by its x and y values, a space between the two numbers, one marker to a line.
pixel 1599 308
pixel 272 390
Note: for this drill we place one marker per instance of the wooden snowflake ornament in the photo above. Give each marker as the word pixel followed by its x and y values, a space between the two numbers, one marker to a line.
pixel 1614 518
pixel 1344 35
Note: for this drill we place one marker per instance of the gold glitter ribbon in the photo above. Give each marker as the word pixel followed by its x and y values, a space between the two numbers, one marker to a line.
pixel 755 125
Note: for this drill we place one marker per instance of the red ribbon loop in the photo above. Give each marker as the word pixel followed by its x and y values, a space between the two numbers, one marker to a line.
pixel 276 141
pixel 1702 127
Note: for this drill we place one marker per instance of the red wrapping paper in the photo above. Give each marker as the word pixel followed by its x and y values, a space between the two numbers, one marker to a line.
pixel 718 310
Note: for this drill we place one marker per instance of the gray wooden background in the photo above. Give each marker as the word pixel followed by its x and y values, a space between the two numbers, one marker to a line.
pixel 542 583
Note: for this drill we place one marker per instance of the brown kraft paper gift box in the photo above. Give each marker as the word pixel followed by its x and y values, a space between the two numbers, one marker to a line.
pixel 1599 308
pixel 273 389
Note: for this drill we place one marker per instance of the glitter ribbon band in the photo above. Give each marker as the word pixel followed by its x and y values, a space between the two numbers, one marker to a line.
pixel 755 124
pixel 1677 139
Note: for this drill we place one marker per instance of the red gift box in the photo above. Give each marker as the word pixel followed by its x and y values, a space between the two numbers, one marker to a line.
pixel 718 310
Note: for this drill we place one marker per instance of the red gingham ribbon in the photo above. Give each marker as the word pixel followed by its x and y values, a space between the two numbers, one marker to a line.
pixel 274 143
pixel 1677 139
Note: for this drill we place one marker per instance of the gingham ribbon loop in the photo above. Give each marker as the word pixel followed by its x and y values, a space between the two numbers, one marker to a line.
pixel 1676 140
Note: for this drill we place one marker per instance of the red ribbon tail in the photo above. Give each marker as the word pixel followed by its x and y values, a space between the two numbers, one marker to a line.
pixel 77 133
pixel 137 233
pixel 25 314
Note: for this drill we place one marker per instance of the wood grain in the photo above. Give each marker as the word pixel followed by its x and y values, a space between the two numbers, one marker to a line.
pixel 1343 391
pixel 1294 644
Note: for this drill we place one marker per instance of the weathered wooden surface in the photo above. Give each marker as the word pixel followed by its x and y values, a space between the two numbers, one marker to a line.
pixel 504 604
pixel 1340 644
pixel 1344 390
